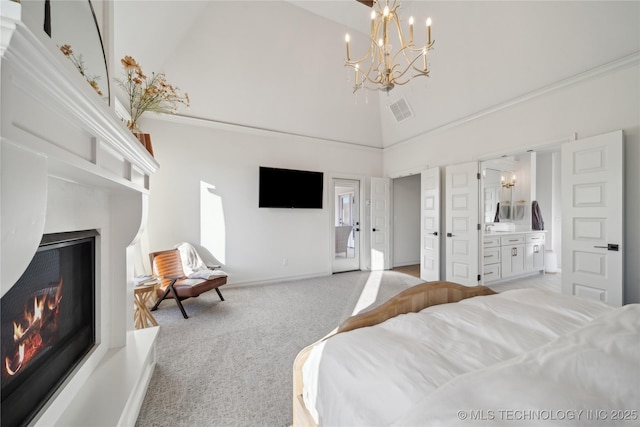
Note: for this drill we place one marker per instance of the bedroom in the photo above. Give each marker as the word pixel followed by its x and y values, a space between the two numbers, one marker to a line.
pixel 508 123
pixel 247 112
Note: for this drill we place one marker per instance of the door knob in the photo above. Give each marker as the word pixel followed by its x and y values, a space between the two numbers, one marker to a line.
pixel 450 235
pixel 435 233
pixel 375 229
pixel 610 246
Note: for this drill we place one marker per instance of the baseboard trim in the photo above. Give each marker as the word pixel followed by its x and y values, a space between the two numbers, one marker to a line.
pixel 272 280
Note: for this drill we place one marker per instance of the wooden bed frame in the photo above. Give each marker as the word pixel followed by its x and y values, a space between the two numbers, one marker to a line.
pixel 410 300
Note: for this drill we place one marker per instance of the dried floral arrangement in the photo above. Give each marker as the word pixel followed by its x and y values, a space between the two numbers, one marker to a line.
pixel 78 62
pixel 148 93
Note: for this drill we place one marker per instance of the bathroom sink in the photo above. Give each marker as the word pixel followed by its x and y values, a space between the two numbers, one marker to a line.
pixel 503 227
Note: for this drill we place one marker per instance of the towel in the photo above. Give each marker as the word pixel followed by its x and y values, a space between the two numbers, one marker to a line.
pixel 193 266
pixel 518 212
pixel 206 274
pixel 537 223
pixel 505 212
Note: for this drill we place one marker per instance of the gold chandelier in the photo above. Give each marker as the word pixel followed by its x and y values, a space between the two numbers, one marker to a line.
pixel 378 69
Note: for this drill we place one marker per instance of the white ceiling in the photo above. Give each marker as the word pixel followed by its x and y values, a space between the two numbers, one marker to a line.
pixel 349 13
pixel 271 65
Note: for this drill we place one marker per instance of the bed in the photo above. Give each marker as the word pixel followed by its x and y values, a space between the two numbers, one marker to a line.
pixel 442 354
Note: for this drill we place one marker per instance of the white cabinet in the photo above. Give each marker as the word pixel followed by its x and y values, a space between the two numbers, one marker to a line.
pixel 512 255
pixel 534 259
pixel 491 268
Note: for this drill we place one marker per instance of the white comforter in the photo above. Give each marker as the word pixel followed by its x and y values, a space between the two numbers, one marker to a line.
pixel 376 375
pixel 589 377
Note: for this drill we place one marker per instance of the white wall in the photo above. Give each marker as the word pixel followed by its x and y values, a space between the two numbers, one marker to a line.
pixel 406 220
pixel 587 106
pixel 251 243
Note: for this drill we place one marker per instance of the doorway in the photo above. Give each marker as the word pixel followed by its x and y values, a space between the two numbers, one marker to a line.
pixel 517 180
pixel 406 221
pixel 346 225
pixel 416 224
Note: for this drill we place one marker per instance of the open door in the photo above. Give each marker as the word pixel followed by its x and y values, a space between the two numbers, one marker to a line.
pixel 430 230
pixel 346 225
pixel 462 224
pixel 592 218
pixel 380 223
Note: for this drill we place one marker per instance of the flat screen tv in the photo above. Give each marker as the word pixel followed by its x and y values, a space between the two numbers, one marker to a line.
pixel 289 188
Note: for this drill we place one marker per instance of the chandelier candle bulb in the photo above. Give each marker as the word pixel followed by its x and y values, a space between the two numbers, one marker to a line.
pixel 373 22
pixel 411 30
pixel 346 39
pixel 428 31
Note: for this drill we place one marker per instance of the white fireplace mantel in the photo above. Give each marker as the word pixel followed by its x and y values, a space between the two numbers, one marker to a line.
pixel 68 163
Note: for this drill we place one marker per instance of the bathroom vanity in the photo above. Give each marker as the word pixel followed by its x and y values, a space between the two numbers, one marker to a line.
pixel 508 254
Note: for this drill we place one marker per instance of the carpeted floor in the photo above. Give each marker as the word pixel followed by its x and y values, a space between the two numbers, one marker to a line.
pixel 230 363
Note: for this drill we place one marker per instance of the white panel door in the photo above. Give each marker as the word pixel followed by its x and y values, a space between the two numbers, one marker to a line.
pixel 380 223
pixel 430 219
pixel 592 218
pixel 462 219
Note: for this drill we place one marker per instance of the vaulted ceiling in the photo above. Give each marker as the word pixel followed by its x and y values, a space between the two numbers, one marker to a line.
pixel 278 65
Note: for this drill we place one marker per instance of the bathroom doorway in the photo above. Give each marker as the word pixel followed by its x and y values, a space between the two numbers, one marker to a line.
pixel 346 225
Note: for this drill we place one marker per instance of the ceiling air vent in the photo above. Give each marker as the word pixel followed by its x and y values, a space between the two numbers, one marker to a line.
pixel 401 110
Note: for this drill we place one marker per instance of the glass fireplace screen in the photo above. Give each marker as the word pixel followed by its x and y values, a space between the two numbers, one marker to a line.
pixel 47 323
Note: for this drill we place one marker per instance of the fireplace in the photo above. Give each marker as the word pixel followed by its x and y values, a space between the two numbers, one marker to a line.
pixel 47 323
pixel 68 163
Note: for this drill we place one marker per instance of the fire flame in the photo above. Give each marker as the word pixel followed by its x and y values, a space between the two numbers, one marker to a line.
pixel 7 362
pixel 28 334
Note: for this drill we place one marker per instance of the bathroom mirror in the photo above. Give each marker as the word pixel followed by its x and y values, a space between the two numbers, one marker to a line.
pixel 491 193
pixel 506 197
pixel 72 23
pixel 498 198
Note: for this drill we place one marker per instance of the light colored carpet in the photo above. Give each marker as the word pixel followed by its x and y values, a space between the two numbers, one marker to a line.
pixel 230 363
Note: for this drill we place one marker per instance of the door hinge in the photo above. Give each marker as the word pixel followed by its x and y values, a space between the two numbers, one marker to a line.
pixel 478 277
pixel 478 226
pixel 478 175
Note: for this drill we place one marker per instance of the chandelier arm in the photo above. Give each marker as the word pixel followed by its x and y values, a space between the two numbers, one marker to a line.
pixel 367 77
pixel 412 49
pixel 377 80
pixel 422 72
pixel 410 66
pixel 394 5
pixel 366 73
pixel 353 62
pixel 407 58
